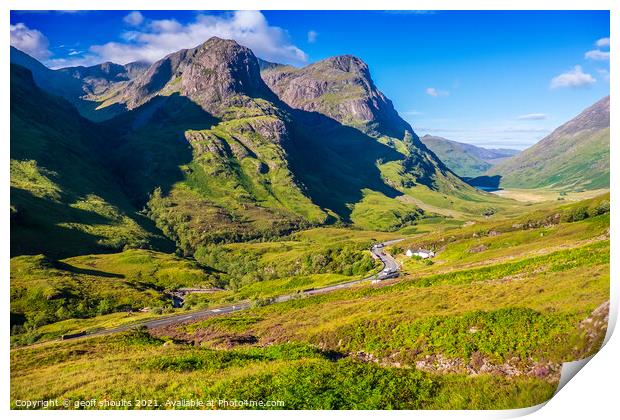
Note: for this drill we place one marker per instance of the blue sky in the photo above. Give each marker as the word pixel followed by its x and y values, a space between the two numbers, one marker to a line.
pixel 495 79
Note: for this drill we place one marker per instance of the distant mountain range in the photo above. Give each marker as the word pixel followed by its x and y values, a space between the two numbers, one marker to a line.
pixel 574 157
pixel 210 149
pixel 464 159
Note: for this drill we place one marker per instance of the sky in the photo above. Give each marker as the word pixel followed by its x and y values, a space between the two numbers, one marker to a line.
pixel 489 78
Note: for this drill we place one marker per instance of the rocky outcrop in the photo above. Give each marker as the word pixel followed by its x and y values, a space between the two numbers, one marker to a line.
pixel 341 88
pixel 212 75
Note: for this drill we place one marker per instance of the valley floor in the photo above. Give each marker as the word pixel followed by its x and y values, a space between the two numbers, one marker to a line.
pixel 485 324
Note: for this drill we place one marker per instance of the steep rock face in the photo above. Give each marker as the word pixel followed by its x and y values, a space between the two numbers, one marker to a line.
pixel 341 88
pixel 212 75
pixel 574 156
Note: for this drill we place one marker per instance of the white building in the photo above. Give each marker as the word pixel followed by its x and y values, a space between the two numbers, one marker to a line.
pixel 422 253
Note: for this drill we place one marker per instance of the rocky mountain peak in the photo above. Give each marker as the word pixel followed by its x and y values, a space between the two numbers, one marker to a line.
pixel 210 74
pixel 347 64
pixel 340 87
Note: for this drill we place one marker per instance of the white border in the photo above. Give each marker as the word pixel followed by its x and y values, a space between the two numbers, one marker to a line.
pixel 592 394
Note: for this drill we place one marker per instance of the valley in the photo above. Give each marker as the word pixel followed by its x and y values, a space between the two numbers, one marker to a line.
pixel 215 226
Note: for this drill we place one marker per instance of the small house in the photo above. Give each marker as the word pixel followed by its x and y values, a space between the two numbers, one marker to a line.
pixel 422 253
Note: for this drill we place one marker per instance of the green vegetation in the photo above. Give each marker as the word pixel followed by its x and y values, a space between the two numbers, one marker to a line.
pixel 457 156
pixel 574 157
pixel 380 212
pixel 517 313
pixel 135 365
pixel 246 199
pixel 58 189
pixel 310 252
pixel 45 291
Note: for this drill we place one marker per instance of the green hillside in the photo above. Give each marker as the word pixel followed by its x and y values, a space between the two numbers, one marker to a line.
pixel 464 159
pixel 46 291
pixel 258 217
pixel 455 157
pixel 232 162
pixel 494 318
pixel 63 202
pixel 574 157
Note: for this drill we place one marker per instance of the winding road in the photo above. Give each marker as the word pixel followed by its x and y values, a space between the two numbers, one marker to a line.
pixel 390 270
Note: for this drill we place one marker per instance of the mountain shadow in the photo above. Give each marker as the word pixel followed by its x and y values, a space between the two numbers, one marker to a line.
pixel 63 200
pixel 485 182
pixel 147 145
pixel 336 163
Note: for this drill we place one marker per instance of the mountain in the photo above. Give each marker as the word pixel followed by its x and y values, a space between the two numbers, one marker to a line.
pixel 84 87
pixel 56 82
pixel 575 156
pixel 464 159
pixel 260 166
pixel 211 153
pixel 63 202
pixel 215 75
pixel 341 88
pixel 98 79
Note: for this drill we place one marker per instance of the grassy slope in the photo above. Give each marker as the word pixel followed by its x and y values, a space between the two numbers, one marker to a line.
pixel 455 157
pixel 206 179
pixel 574 163
pixel 62 200
pixel 301 376
pixel 518 304
pixel 44 291
pixel 50 298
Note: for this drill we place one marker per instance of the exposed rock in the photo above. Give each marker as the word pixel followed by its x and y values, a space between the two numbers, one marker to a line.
pixel 341 88
pixel 99 78
pixel 212 75
pixel 479 364
pixel 595 328
pixel 202 141
pixel 478 248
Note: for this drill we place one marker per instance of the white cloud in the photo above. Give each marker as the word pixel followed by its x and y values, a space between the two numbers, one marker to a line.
pixel 157 38
pixel 573 78
pixel 603 42
pixel 431 91
pixel 312 36
pixel 597 55
pixel 134 18
pixel 30 41
pixel 165 26
pixel 532 117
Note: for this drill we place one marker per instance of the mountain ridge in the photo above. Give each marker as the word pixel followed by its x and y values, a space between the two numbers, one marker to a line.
pixel 466 160
pixel 574 156
pixel 312 88
pixel 202 144
pixel 59 189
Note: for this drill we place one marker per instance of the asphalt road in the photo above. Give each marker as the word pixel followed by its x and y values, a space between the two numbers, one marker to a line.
pixel 390 270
